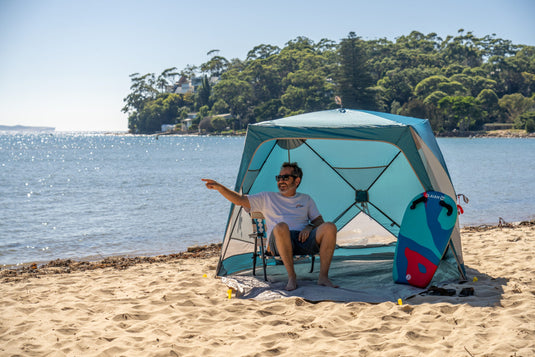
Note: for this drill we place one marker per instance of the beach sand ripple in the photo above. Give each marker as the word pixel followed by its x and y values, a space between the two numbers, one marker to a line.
pixel 166 307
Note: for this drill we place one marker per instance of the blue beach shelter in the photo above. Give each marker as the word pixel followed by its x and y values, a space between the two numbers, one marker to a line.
pixel 362 168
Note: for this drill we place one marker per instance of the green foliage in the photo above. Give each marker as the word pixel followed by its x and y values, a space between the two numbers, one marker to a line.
pixel 354 77
pixel 526 121
pixel 203 95
pixel 165 109
pixel 530 125
pixel 429 85
pixel 205 125
pixel 515 105
pixel 220 107
pixel 218 123
pixel 489 102
pixel 215 66
pixel 434 98
pixel 462 113
pixel 458 83
pixel 237 93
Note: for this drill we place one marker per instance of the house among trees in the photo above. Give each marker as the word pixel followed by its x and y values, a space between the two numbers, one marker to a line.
pixel 185 85
pixel 186 124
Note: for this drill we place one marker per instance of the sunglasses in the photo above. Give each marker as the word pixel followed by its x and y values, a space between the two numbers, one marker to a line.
pixel 284 177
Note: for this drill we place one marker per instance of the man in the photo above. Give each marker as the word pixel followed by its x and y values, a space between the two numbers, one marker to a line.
pixel 294 223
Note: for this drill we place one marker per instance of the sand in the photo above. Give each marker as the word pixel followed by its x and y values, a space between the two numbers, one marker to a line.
pixel 166 307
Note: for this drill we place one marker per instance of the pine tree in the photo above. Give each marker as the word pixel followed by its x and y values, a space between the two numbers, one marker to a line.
pixel 354 78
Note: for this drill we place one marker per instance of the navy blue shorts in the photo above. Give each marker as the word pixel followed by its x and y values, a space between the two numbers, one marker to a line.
pixel 310 246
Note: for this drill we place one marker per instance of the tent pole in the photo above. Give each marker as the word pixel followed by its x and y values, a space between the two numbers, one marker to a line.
pixel 345 211
pixel 332 168
pixel 384 170
pixel 384 214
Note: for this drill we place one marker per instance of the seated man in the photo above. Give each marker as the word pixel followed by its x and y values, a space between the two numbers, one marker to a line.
pixel 293 221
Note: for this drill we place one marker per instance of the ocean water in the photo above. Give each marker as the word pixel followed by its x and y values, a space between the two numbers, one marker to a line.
pixel 87 196
pixel 496 174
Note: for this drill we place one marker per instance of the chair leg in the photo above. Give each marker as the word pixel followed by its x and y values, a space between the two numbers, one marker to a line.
pixel 255 254
pixel 262 250
pixel 313 258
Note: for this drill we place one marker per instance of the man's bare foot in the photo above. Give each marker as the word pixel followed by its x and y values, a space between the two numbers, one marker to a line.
pixel 292 284
pixel 327 282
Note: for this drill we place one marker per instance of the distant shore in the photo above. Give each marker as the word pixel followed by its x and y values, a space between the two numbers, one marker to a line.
pixel 450 134
pixel 510 133
pixel 486 134
pixel 26 128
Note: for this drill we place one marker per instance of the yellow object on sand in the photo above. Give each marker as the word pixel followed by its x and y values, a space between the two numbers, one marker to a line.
pixel 229 291
pixel 400 302
pixel 475 279
pixel 204 276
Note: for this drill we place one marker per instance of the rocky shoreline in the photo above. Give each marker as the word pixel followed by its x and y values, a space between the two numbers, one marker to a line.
pixel 486 134
pixel 66 266
pixel 449 134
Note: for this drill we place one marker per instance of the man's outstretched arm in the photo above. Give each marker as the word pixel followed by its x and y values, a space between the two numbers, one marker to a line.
pixel 230 195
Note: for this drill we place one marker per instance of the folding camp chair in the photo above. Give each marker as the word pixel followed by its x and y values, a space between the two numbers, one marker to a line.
pixel 260 240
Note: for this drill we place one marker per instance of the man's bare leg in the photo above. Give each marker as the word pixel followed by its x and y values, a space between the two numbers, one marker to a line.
pixel 284 247
pixel 326 238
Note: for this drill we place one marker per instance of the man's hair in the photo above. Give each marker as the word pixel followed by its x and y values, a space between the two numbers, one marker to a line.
pixel 296 170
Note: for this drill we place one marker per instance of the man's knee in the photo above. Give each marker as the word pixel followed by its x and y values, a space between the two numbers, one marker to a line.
pixel 326 233
pixel 281 228
pixel 328 228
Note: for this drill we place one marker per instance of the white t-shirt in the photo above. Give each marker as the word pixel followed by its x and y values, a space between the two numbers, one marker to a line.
pixel 296 211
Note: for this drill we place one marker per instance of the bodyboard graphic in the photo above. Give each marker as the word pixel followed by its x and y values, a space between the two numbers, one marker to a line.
pixel 423 237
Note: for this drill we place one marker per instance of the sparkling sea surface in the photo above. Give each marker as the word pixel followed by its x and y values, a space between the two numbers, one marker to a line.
pixel 88 196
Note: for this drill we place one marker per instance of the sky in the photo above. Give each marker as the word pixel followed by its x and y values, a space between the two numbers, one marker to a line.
pixel 66 64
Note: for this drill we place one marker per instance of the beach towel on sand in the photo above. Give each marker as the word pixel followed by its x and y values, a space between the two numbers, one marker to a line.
pixel 366 282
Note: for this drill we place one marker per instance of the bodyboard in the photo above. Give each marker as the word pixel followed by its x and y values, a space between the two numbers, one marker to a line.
pixel 423 237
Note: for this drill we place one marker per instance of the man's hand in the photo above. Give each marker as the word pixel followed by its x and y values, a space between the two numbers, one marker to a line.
pixel 211 184
pixel 305 233
pixel 230 195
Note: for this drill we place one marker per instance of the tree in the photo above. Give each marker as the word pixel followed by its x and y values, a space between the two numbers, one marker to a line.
pixel 215 66
pixel 434 98
pixel 488 100
pixel 204 92
pixel 268 110
pixel 189 71
pixel 220 107
pixel 472 83
pixel 515 105
pixel 165 109
pixel 206 125
pixel 218 123
pixel 237 94
pixel 414 108
pixel 530 125
pixel 429 85
pixel 166 79
pixel 142 89
pixel 398 84
pixel 262 52
pixel 463 49
pixel 526 121
pixel 265 80
pixel 354 79
pixel 461 113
